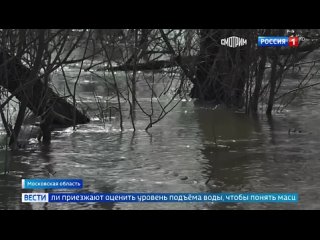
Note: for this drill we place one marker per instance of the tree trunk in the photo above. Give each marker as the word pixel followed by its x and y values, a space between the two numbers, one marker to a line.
pixel 221 71
pixel 39 98
pixel 206 88
pixel 272 82
pixel 258 84
pixel 18 124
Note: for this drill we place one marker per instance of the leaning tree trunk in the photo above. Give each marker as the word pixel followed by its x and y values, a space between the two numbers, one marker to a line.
pixel 38 96
pixel 221 71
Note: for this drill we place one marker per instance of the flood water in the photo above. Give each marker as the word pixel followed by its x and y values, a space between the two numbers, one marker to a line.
pixel 192 146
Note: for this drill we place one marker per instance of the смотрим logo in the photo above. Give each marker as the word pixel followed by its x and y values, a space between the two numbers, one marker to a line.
pixel 234 42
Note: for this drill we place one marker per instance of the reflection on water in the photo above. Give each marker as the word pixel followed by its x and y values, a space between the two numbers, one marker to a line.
pixel 194 149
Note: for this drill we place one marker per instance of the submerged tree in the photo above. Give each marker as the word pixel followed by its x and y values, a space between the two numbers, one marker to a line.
pixel 27 58
pixel 221 71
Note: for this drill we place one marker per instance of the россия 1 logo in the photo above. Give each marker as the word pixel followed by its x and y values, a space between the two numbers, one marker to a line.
pixel 234 42
pixel 277 41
